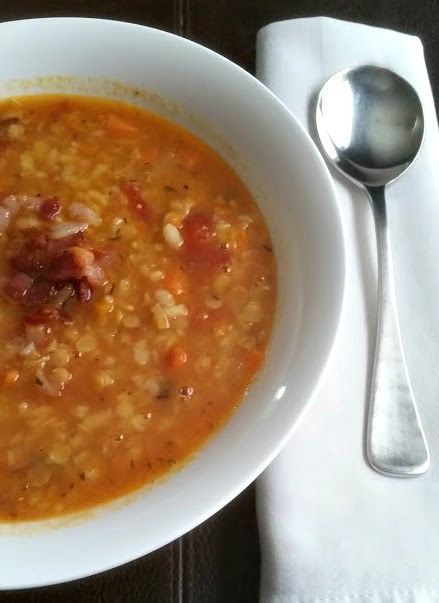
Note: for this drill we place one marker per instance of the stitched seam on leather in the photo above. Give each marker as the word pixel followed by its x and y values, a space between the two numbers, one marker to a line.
pixel 180 549
pixel 182 17
pixel 171 572
pixel 191 567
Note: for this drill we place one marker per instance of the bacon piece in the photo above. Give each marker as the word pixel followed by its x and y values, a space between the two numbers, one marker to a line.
pixel 36 333
pixel 77 263
pixel 71 264
pixel 104 256
pixel 4 219
pixel 17 287
pixel 88 268
pixel 83 291
pixel 47 315
pixel 83 257
pixel 39 294
pixel 56 246
pixel 36 239
pixel 95 275
pixel 50 208
pixel 65 317
pixel 49 272
pixel 29 251
pixel 64 267
pixel 28 261
pixel 43 316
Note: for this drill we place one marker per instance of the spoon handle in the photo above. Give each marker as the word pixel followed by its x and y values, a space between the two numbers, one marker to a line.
pixel 396 444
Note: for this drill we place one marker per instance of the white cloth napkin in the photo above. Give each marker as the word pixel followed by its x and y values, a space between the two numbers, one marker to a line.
pixel 331 529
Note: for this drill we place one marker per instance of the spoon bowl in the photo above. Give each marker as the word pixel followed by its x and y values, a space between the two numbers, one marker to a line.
pixel 371 126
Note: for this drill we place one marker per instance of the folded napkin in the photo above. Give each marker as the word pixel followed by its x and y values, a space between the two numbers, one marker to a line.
pixel 331 529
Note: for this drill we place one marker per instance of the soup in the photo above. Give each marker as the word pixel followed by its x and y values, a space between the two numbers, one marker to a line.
pixel 137 292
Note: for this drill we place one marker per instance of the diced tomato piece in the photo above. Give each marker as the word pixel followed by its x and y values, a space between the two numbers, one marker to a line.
pixel 135 198
pixel 197 227
pixel 206 256
pixel 199 249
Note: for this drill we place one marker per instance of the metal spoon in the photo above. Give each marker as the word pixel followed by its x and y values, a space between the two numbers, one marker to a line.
pixel 371 125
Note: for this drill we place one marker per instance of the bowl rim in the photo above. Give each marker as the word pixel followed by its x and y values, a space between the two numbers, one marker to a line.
pixel 259 466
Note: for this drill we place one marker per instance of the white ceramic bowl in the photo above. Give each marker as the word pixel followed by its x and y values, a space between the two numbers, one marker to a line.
pixel 276 158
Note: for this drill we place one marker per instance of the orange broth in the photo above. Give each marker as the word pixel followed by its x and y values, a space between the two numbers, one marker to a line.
pixel 137 293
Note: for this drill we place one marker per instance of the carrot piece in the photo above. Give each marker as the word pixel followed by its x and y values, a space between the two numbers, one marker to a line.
pixel 176 357
pixel 120 128
pixel 175 281
pixel 10 377
pixel 253 359
pixel 150 154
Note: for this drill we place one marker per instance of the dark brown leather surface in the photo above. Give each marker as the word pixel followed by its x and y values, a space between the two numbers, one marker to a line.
pixel 230 27
pixel 217 562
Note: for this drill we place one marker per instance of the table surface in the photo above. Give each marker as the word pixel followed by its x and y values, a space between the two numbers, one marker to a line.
pixel 218 561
